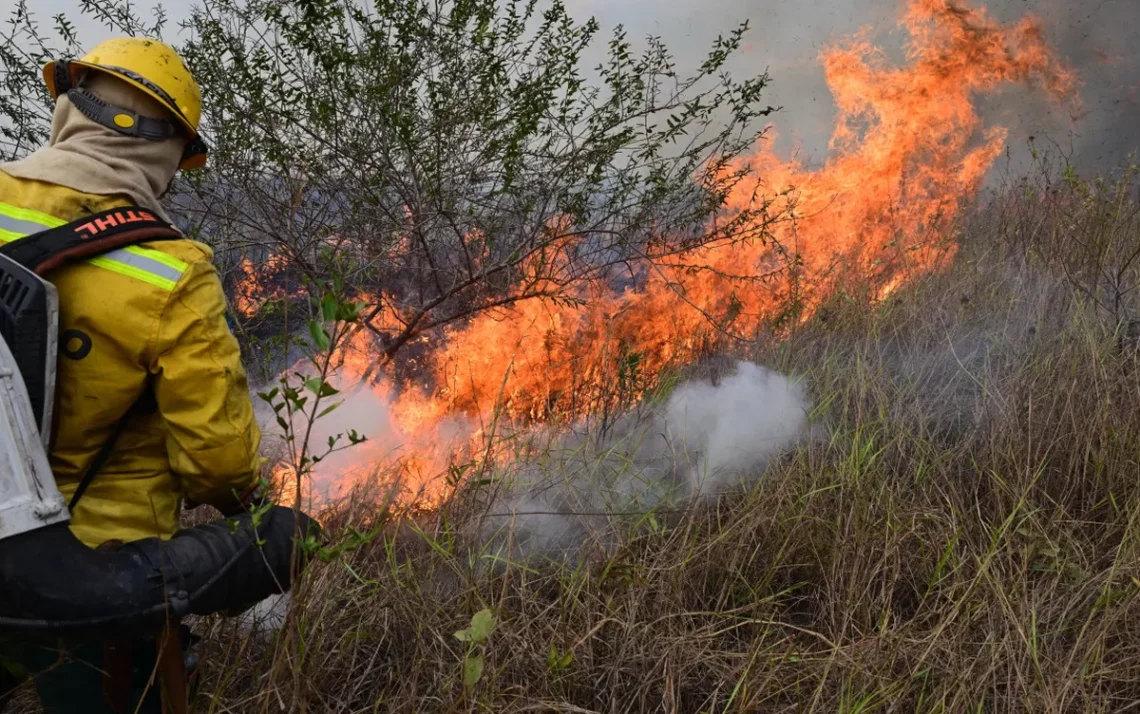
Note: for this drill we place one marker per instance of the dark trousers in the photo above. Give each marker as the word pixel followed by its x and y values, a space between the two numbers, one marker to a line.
pixel 70 679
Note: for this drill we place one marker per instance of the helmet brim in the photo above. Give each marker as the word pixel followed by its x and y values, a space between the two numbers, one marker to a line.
pixel 194 161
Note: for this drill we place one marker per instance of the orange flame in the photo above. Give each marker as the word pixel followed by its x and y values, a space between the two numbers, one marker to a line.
pixel 250 292
pixel 908 151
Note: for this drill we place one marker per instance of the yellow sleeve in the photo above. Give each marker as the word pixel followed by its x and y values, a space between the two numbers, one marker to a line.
pixel 203 394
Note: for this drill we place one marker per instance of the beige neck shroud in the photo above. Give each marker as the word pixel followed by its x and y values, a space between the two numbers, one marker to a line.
pixel 89 157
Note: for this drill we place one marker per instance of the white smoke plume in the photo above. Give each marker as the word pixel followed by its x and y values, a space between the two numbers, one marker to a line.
pixel 708 437
pixel 735 425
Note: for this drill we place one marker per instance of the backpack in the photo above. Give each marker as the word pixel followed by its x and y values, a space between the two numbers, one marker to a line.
pixel 29 343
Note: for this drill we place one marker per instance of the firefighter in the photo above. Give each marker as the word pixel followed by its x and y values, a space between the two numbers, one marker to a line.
pixel 151 387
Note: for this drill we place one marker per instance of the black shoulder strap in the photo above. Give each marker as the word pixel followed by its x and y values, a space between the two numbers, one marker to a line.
pixel 88 237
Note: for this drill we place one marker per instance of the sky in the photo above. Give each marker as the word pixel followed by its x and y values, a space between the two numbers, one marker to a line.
pixel 1101 38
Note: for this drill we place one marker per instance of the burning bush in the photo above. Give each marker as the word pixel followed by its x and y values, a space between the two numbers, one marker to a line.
pixel 910 154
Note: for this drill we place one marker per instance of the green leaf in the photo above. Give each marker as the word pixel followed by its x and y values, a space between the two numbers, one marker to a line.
pixel 557 660
pixel 329 308
pixel 482 624
pixel 463 635
pixel 350 311
pixel 329 410
pixel 472 670
pixel 320 388
pixel 320 337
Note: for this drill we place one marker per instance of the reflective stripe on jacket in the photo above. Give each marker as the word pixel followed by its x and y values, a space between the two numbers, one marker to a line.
pixel 147 316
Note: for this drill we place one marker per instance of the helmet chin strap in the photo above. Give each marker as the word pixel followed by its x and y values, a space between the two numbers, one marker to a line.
pixel 116 118
pixel 121 120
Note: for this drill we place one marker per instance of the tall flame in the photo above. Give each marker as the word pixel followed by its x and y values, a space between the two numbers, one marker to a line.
pixel 908 151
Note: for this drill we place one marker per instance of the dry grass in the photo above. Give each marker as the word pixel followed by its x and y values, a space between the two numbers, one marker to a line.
pixel 962 535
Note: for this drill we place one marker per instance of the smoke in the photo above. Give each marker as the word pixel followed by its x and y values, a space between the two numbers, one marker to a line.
pixel 709 436
pixel 1100 39
pixel 386 452
pixel 730 427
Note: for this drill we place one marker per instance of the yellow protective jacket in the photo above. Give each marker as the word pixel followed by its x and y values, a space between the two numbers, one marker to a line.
pixel 150 316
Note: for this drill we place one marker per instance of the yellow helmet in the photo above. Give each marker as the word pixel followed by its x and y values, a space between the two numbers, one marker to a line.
pixel 150 66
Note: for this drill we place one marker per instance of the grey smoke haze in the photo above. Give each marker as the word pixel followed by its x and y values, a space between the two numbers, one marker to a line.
pixel 707 438
pixel 1101 38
